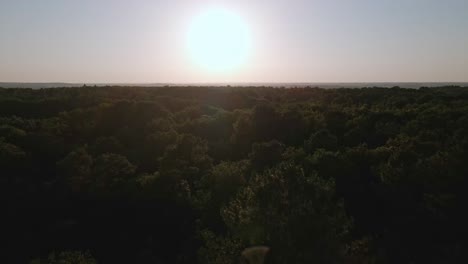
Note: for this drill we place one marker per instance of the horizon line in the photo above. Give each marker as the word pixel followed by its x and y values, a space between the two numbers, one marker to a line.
pixel 227 82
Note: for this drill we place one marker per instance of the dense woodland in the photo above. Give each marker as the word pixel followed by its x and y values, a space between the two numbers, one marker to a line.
pixel 198 174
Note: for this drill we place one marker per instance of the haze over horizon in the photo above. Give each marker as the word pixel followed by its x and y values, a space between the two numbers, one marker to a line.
pixel 267 41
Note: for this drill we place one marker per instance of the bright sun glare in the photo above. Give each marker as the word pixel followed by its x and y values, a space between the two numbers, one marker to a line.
pixel 219 41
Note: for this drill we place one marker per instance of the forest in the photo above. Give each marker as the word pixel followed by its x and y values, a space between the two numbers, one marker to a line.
pixel 199 174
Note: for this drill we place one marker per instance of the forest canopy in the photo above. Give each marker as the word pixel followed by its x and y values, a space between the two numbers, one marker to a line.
pixel 199 174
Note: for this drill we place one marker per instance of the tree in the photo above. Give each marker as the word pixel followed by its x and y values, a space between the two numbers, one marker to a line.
pixel 296 215
pixel 112 171
pixel 266 154
pixel 321 139
pixel 75 169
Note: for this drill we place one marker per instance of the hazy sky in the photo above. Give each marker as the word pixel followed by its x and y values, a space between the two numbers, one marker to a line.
pixel 291 40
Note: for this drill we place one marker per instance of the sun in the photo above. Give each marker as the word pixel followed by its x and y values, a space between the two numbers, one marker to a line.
pixel 219 41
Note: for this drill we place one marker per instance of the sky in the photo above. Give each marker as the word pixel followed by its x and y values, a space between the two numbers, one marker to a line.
pixel 147 41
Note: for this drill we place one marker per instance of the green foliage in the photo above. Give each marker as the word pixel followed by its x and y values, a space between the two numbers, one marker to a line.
pixel 321 139
pixel 10 153
pixel 226 178
pixel 200 174
pixel 266 154
pixel 297 215
pixel 223 250
pixel 112 171
pixel 76 169
pixel 67 257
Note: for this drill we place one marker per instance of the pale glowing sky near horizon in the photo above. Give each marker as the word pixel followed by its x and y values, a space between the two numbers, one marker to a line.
pixel 148 41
